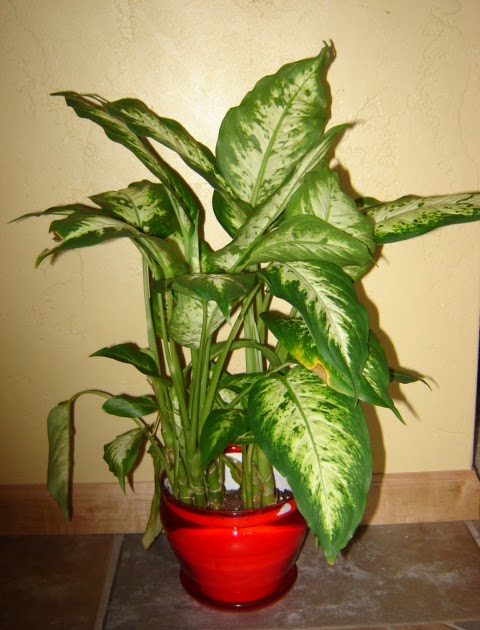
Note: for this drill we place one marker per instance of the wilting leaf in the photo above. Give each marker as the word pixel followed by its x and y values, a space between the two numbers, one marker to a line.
pixel 122 453
pixel 60 435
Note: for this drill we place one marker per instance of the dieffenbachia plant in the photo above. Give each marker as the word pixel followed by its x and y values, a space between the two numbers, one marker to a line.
pixel 296 236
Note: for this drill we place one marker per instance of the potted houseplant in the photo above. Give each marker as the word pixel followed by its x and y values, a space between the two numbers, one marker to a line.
pixel 295 236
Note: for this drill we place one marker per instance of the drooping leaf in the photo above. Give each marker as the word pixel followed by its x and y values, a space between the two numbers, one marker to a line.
pixel 309 238
pixel 223 289
pixel 154 524
pixel 122 453
pixel 221 428
pixel 146 123
pixel 325 298
pixel 129 353
pixel 412 216
pixel 404 377
pixel 60 435
pixel 376 378
pixel 130 406
pixel 64 210
pixel 277 123
pixel 144 205
pixel 233 255
pixel 317 438
pixel 320 195
pixel 93 108
pixel 84 228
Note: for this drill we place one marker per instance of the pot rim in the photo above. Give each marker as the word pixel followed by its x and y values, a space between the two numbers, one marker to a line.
pixel 282 508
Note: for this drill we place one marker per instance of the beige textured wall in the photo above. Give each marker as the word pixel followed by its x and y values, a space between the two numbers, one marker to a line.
pixel 407 71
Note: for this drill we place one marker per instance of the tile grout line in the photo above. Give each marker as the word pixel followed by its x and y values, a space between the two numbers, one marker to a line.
pixel 108 582
pixel 473 532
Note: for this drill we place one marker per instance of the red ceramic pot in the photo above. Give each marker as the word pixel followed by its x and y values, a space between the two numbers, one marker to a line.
pixel 235 559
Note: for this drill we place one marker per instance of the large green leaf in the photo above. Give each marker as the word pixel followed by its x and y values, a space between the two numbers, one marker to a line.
pixel 93 108
pixel 221 428
pixel 144 205
pixel 309 238
pixel 324 296
pixel 412 216
pixel 317 438
pixel 223 289
pixel 320 195
pixel 122 453
pixel 131 354
pixel 233 255
pixel 276 124
pixel 374 379
pixel 60 436
pixel 294 335
pixel 187 322
pixel 85 228
pixel 130 406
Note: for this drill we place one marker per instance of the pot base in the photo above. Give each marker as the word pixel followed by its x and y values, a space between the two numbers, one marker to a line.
pixel 190 586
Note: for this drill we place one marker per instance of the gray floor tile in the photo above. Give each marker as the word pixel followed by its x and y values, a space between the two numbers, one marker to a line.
pixel 52 582
pixel 390 575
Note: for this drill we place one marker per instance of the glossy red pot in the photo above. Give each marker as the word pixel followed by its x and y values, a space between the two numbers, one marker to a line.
pixel 235 559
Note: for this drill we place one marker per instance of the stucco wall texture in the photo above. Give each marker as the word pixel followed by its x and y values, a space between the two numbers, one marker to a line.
pixel 408 74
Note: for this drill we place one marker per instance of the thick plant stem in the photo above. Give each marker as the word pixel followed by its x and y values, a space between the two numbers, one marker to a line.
pixel 266 477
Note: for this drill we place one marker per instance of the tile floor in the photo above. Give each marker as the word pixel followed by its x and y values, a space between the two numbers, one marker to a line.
pixel 408 577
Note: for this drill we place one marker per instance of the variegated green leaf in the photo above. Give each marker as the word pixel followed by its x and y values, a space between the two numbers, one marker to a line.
pixel 221 428
pixel 412 216
pixel 376 378
pixel 310 238
pixel 317 438
pixel 276 124
pixel 320 195
pixel 294 335
pixel 64 211
pixel 122 453
pixel 163 256
pixel 131 354
pixel 188 319
pixel 130 406
pixel 85 228
pixel 230 215
pixel 146 123
pixel 144 205
pixel 60 435
pixel 223 289
pixel 93 108
pixel 324 296
pixel 233 255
